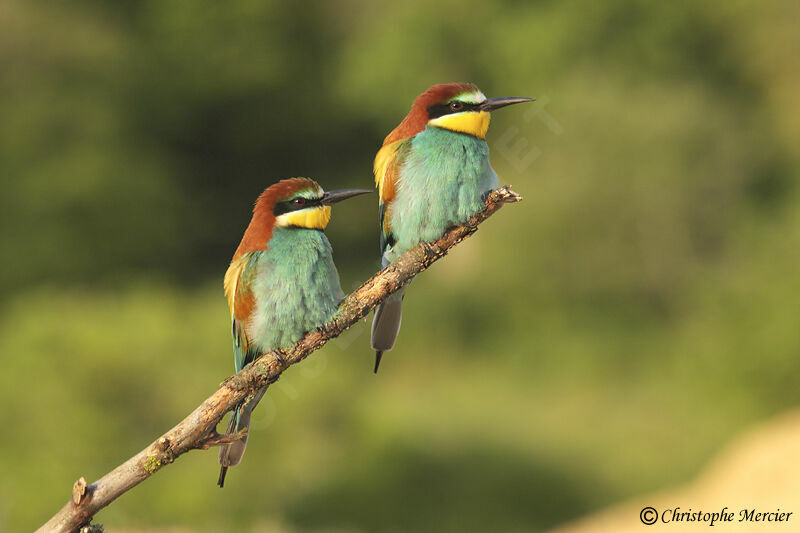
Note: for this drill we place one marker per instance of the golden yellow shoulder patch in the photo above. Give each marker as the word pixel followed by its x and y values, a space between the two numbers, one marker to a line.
pixel 384 170
pixel 232 280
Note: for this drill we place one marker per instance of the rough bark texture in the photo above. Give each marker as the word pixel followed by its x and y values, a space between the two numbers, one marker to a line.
pixel 198 430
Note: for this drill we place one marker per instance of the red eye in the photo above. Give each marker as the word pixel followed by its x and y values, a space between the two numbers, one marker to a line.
pixel 456 106
pixel 299 201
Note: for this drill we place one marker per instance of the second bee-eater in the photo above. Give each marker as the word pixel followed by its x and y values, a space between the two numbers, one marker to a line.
pixel 432 173
pixel 281 283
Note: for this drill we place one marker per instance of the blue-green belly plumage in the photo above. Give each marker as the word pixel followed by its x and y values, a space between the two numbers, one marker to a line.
pixel 443 181
pixel 296 288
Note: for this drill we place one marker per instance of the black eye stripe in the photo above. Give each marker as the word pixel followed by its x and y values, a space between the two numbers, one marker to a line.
pixel 439 110
pixel 289 206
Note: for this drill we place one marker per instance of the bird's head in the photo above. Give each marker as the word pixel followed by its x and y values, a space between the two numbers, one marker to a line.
pixel 291 203
pixel 460 107
pixel 301 203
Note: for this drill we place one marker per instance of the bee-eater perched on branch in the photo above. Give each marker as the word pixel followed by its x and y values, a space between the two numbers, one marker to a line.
pixel 281 282
pixel 432 173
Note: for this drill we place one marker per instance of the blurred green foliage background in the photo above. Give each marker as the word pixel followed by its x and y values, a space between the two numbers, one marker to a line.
pixel 601 339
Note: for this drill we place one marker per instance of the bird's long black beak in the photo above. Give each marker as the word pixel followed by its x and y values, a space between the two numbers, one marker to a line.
pixel 501 101
pixel 331 197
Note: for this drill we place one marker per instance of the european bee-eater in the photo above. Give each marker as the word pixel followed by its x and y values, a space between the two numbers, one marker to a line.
pixel 432 173
pixel 281 282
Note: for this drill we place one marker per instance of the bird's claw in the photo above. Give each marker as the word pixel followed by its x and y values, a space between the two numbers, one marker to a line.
pixel 278 356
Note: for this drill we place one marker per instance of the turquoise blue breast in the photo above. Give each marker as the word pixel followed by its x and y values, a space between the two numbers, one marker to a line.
pixel 444 177
pixel 296 288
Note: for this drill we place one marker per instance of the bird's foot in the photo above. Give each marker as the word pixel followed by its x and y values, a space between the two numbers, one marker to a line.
pixel 278 356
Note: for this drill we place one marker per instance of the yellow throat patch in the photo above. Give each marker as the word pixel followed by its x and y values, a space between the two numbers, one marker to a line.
pixel 311 218
pixel 474 123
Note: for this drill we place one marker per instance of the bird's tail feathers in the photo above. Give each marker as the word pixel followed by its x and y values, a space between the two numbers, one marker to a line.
pixel 386 325
pixel 231 454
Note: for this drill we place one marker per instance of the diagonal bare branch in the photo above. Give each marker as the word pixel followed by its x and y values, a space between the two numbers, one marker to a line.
pixel 198 430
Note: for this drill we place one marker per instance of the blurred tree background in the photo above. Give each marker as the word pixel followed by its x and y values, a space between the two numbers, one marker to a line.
pixel 602 339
